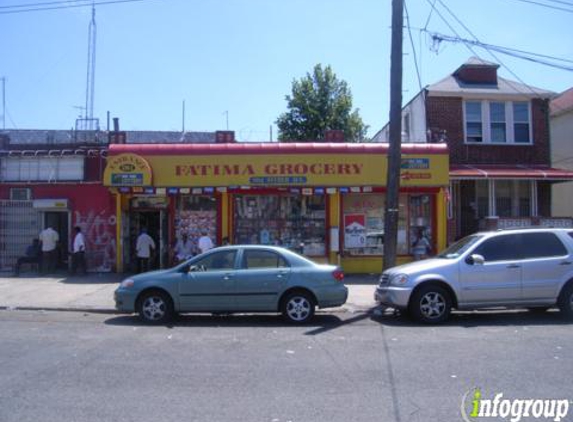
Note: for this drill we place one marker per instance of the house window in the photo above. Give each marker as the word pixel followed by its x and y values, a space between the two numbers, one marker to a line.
pixel 473 121
pixel 521 122
pixel 20 194
pixel 495 122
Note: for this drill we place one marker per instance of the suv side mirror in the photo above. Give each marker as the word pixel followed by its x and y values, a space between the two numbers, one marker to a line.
pixel 475 259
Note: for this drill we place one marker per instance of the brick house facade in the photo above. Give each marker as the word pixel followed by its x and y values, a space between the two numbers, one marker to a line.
pixel 498 136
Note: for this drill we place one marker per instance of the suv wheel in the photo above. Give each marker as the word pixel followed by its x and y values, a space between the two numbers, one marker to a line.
pixel 565 302
pixel 431 304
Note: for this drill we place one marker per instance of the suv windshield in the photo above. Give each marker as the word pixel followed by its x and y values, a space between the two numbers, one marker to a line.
pixel 458 248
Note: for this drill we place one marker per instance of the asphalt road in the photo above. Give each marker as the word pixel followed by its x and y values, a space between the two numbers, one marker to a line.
pixel 66 366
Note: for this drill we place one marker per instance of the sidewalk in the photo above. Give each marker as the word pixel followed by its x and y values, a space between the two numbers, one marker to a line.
pixel 94 292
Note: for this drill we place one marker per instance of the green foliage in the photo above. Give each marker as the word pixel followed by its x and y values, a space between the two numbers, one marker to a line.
pixel 320 102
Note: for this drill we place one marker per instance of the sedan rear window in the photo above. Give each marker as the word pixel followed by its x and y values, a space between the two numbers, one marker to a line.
pixel 263 259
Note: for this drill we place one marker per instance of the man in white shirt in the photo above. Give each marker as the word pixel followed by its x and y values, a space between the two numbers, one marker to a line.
pixel 205 243
pixel 79 252
pixel 49 239
pixel 144 247
pixel 183 248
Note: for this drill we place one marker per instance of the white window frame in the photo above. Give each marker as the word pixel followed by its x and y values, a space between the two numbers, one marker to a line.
pixel 486 123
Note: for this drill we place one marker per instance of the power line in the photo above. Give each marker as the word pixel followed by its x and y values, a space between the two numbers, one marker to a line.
pixel 508 51
pixel 412 44
pixel 16 6
pixel 38 7
pixel 492 54
pixel 548 5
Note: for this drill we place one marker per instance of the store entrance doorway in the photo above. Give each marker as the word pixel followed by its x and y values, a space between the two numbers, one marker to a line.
pixel 59 221
pixel 155 222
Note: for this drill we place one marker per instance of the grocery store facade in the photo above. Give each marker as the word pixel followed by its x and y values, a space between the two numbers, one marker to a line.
pixel 323 200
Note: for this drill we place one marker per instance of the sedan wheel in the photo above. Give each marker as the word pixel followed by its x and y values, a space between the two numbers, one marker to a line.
pixel 298 308
pixel 155 307
pixel 431 304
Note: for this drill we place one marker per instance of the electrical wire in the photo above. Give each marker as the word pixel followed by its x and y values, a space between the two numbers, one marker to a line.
pixel 413 48
pixel 520 54
pixel 515 88
pixel 562 9
pixel 56 6
pixel 47 3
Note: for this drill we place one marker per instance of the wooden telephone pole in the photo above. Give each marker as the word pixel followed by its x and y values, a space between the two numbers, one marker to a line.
pixel 394 150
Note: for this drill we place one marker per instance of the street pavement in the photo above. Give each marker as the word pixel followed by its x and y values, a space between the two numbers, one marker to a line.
pixel 94 292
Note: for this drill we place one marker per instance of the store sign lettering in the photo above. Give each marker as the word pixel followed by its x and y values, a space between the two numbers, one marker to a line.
pixel 215 170
pixel 285 169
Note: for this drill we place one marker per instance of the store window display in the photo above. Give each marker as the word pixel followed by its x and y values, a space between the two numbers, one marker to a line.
pixel 420 210
pixel 364 224
pixel 196 215
pixel 293 221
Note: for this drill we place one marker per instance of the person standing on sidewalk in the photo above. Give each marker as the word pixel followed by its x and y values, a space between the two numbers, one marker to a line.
pixel 79 252
pixel 144 247
pixel 49 238
pixel 205 243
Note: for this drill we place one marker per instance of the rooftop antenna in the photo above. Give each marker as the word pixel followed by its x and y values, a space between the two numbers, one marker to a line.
pixel 89 123
pixel 92 31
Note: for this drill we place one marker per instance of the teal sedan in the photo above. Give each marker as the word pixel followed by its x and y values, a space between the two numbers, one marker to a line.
pixel 231 279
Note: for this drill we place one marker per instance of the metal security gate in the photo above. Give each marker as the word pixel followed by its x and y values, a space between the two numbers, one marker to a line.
pixel 20 223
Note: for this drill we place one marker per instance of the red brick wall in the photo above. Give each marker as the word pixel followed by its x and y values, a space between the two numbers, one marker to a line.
pixel 446 113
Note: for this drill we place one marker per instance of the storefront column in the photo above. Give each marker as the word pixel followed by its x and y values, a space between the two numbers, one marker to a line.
pixel 334 223
pixel 224 216
pixel 441 220
pixel 118 237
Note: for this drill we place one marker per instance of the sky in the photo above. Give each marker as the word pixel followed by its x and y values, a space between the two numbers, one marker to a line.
pixel 233 61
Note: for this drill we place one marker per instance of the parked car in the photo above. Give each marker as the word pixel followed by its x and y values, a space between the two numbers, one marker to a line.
pixel 235 279
pixel 531 268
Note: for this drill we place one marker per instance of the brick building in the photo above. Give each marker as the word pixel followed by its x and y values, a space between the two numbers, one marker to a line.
pixel 498 136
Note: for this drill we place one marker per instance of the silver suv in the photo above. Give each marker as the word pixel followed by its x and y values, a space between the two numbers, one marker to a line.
pixel 530 268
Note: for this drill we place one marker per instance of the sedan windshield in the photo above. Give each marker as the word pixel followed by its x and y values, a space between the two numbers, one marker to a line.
pixel 458 248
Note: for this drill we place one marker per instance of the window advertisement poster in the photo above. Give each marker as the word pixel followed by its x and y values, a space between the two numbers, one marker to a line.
pixel 354 231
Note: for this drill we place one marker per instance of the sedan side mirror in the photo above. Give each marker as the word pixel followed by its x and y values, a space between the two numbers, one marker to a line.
pixel 475 259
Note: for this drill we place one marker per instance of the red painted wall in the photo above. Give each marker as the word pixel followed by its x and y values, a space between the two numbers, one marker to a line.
pixel 92 208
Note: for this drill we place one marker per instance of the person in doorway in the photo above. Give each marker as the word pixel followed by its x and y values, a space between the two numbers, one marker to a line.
pixel 49 239
pixel 79 252
pixel 183 248
pixel 32 257
pixel 205 243
pixel 144 248
pixel 421 246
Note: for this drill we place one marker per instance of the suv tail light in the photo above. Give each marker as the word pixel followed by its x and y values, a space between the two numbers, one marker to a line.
pixel 338 275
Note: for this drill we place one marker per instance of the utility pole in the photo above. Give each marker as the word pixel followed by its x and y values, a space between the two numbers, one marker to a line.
pixel 394 150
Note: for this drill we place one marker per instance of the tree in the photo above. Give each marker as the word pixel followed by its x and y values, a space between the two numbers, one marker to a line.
pixel 320 102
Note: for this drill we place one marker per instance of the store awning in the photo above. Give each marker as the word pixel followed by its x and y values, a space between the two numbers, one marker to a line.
pixel 469 172
pixel 270 148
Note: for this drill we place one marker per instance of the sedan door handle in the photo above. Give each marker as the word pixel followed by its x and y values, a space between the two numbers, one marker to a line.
pixel 513 266
pixel 227 276
pixel 565 263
